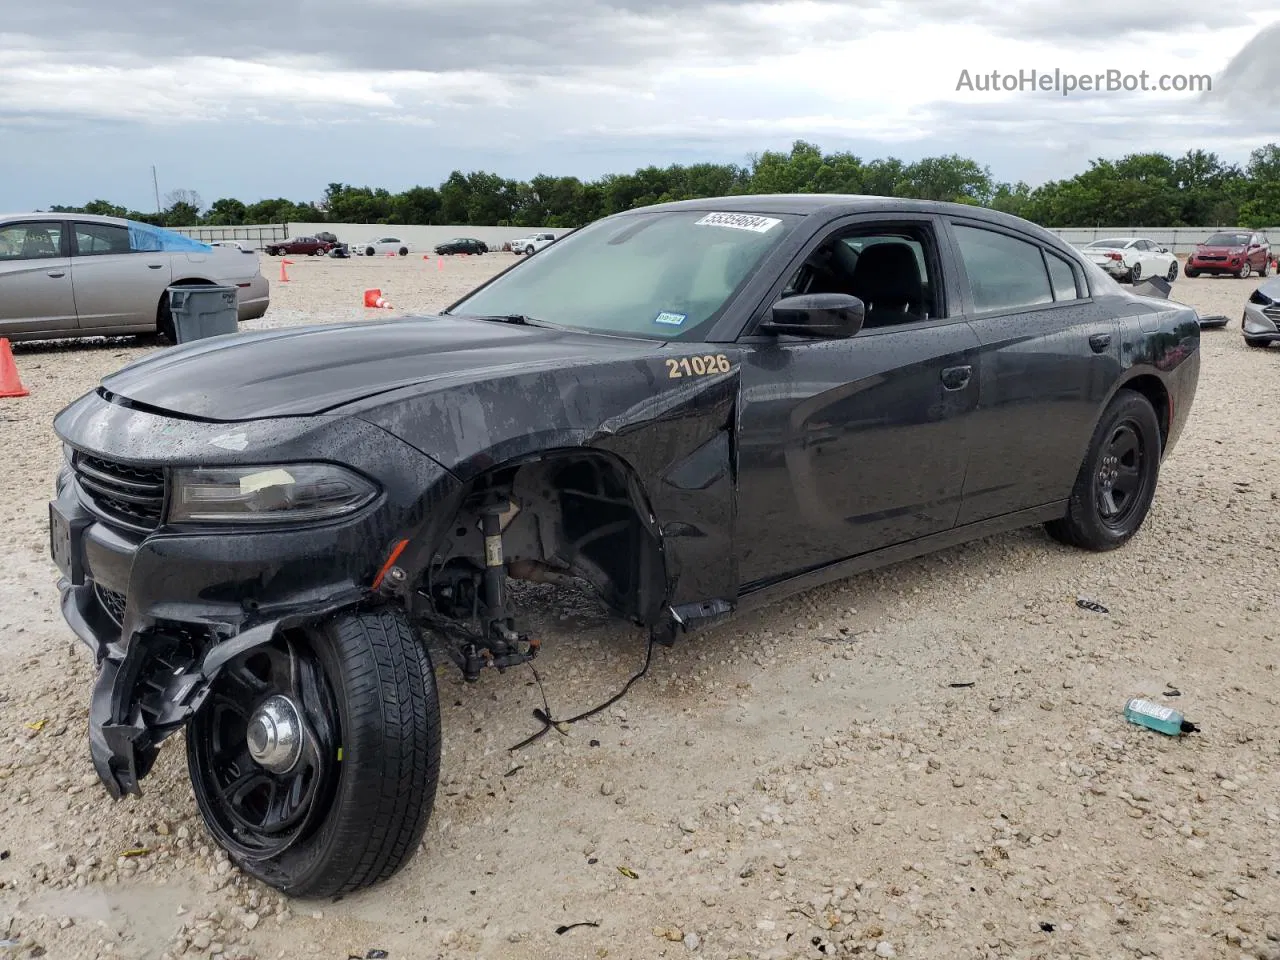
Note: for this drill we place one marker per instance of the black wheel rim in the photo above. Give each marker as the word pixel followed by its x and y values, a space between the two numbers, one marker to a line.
pixel 1120 480
pixel 254 811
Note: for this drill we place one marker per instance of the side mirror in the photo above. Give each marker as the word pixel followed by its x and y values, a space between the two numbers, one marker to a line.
pixel 1164 249
pixel 834 315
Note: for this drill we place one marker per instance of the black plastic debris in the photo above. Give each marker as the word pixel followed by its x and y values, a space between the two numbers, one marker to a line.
pixel 561 931
pixel 1173 692
pixel 1047 927
pixel 962 686
pixel 513 771
pixel 4 854
pixel 371 955
pixel 1091 605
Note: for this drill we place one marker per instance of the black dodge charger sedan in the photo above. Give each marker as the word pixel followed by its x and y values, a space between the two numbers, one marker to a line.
pixel 693 408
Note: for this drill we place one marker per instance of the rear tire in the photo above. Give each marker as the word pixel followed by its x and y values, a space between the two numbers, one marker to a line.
pixel 404 251
pixel 368 251
pixel 1172 273
pixel 1135 273
pixel 1117 480
pixel 164 321
pixel 373 776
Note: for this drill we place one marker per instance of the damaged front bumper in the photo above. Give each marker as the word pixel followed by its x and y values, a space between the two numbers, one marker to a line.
pixel 164 609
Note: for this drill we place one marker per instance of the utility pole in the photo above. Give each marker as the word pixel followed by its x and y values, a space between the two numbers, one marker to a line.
pixel 156 184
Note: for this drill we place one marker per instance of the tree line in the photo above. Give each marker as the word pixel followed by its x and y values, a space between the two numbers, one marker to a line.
pixel 1139 190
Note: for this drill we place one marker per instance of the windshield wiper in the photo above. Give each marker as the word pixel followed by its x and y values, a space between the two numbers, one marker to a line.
pixel 516 318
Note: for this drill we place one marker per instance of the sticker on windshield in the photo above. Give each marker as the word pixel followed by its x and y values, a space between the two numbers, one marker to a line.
pixel 739 221
pixel 671 319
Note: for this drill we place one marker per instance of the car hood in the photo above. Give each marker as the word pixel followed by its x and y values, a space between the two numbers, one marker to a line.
pixel 303 371
pixel 1270 288
pixel 1218 251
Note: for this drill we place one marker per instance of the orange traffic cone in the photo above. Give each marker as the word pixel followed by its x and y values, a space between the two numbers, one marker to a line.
pixel 439 263
pixel 374 300
pixel 284 276
pixel 10 383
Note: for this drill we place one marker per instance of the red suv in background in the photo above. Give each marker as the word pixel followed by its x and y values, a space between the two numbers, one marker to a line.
pixel 1240 253
pixel 298 246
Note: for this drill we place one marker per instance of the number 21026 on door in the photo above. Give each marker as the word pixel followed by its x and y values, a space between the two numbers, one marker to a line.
pixel 697 366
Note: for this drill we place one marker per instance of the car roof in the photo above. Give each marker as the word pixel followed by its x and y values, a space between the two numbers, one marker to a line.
pixel 831 205
pixel 48 215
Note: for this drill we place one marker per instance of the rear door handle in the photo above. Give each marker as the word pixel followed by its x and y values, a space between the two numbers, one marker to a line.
pixel 154 266
pixel 956 378
pixel 1099 342
pixel 57 274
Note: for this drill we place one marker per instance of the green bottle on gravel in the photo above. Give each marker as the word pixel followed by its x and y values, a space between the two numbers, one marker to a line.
pixel 1164 719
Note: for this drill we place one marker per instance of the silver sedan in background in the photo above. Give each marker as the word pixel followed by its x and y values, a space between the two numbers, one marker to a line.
pixel 1261 321
pixel 77 275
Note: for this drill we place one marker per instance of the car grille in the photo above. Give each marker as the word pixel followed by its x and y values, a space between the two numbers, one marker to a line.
pixel 112 603
pixel 1207 258
pixel 1272 312
pixel 131 497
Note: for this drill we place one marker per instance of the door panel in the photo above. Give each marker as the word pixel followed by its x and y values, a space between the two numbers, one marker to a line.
pixel 36 294
pixel 851 445
pixel 115 285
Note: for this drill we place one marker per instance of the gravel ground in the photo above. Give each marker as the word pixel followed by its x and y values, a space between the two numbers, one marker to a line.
pixel 925 761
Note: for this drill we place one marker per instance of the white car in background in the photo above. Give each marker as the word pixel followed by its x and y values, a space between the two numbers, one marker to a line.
pixel 381 247
pixel 68 275
pixel 1132 258
pixel 532 243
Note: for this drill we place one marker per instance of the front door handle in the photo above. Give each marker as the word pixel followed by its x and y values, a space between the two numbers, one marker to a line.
pixel 57 274
pixel 1099 342
pixel 154 266
pixel 956 378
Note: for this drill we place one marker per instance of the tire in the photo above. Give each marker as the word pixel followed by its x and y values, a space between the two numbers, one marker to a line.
pixel 164 321
pixel 368 252
pixel 1187 271
pixel 1266 269
pixel 368 785
pixel 1135 273
pixel 1172 273
pixel 1245 271
pixel 1257 344
pixel 528 251
pixel 1128 417
pixel 404 251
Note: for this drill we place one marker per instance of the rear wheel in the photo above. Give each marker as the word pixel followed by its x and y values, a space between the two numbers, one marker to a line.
pixel 404 251
pixel 314 760
pixel 368 252
pixel 1117 480
pixel 164 320
pixel 1172 273
pixel 1265 269
pixel 1135 273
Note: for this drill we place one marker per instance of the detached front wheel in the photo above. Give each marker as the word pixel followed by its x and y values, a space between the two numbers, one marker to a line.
pixel 314 760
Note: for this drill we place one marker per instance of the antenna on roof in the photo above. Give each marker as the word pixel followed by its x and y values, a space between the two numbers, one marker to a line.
pixel 156 184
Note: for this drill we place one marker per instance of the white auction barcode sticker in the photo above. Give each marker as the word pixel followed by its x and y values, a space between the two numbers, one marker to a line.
pixel 739 221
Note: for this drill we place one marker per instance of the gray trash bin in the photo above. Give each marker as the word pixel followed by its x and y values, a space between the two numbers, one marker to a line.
pixel 202 310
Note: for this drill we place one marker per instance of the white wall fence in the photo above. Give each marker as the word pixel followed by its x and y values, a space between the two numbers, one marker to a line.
pixel 1181 240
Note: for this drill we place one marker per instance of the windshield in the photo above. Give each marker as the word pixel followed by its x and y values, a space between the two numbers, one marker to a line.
pixel 663 275
pixel 1228 240
pixel 1109 244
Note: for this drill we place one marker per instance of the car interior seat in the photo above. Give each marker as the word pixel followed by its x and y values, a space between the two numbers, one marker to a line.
pixel 887 281
pixel 38 243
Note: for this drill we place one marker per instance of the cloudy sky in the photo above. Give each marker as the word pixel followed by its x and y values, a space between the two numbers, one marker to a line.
pixel 255 98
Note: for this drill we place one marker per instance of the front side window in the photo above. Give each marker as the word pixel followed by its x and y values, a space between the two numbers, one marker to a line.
pixel 887 268
pixel 40 240
pixel 145 238
pixel 663 275
pixel 1004 273
pixel 101 239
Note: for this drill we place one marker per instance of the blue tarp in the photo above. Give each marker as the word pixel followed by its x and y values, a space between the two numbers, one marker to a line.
pixel 148 239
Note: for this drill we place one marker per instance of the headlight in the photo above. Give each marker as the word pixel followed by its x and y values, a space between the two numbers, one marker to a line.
pixel 263 494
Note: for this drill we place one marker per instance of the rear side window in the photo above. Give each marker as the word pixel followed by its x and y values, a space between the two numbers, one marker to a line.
pixel 101 239
pixel 1004 273
pixel 1062 277
pixel 31 241
pixel 148 239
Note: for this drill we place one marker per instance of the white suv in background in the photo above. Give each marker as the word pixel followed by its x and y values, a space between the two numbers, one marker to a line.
pixel 533 243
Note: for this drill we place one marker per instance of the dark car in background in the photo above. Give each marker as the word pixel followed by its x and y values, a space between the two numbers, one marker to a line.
pixel 462 245
pixel 693 408
pixel 1237 253
pixel 298 247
